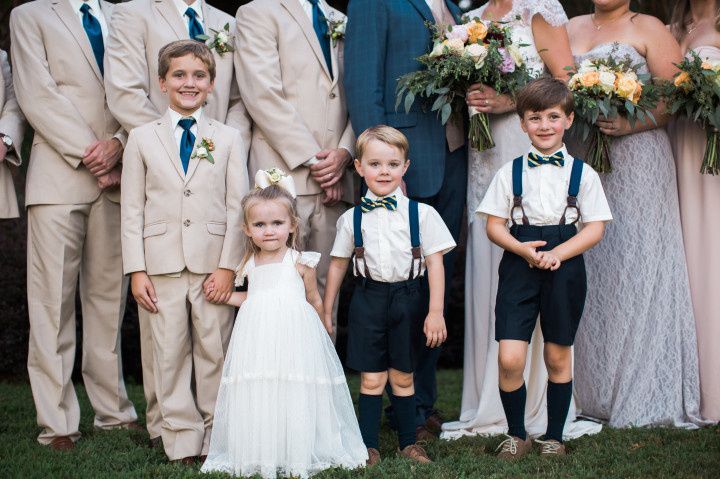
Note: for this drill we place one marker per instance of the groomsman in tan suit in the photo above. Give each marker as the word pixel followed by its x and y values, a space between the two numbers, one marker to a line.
pixel 183 180
pixel 73 214
pixel 138 30
pixel 11 131
pixel 290 74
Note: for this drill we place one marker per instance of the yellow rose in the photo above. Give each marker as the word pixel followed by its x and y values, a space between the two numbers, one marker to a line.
pixel 476 31
pixel 625 86
pixel 683 80
pixel 589 79
pixel 706 66
pixel 636 94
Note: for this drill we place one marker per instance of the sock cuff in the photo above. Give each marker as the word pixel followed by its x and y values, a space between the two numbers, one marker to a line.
pixel 371 397
pixel 520 389
pixel 560 385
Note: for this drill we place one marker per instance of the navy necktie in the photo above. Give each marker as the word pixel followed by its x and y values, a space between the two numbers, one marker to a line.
pixel 320 26
pixel 194 25
pixel 94 33
pixel 187 141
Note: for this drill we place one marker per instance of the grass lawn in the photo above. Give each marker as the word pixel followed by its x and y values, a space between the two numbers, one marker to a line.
pixel 650 453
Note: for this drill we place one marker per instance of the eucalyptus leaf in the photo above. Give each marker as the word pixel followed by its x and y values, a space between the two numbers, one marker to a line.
pixel 409 100
pixel 445 113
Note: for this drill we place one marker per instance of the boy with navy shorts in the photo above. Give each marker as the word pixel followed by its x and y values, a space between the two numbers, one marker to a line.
pixel 394 240
pixel 541 196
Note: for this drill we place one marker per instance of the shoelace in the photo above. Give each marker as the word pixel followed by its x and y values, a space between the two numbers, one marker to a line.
pixel 549 447
pixel 508 445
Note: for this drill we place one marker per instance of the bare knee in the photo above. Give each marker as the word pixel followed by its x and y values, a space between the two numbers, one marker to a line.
pixel 373 383
pixel 402 383
pixel 558 360
pixel 511 363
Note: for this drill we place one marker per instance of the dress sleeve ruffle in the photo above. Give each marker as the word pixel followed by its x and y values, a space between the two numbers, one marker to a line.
pixel 309 258
pixel 551 11
pixel 240 275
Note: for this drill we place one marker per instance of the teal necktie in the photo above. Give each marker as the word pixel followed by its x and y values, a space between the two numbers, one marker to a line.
pixel 187 141
pixel 94 33
pixel 194 26
pixel 535 160
pixel 320 25
pixel 368 204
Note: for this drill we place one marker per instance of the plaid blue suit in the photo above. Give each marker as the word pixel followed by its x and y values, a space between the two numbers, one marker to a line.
pixel 382 41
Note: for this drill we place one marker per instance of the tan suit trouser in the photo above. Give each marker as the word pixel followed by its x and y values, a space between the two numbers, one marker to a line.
pixel 67 243
pixel 188 332
pixel 318 224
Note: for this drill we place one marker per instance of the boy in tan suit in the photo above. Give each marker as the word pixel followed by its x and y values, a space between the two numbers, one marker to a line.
pixel 290 70
pixel 139 29
pixel 73 214
pixel 184 176
pixel 11 130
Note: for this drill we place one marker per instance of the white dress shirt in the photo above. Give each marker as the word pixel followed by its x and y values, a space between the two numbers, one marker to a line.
pixel 386 237
pixel 95 11
pixel 182 7
pixel 545 191
pixel 307 6
pixel 175 117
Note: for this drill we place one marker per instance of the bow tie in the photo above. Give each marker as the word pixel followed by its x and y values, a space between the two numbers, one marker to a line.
pixel 535 160
pixel 368 204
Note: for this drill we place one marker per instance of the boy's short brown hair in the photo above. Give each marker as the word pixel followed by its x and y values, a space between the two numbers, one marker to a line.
pixel 544 93
pixel 180 48
pixel 385 134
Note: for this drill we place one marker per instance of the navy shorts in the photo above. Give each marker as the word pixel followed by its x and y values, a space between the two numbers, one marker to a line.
pixel 524 292
pixel 385 325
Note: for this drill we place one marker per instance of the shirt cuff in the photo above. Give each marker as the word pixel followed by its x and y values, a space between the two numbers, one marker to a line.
pixel 311 162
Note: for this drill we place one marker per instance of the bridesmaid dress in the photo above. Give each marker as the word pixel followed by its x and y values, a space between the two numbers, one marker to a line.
pixel 481 409
pixel 699 202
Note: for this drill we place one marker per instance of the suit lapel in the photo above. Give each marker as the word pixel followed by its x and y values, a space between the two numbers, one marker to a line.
pixel 422 7
pixel 168 11
pixel 296 11
pixel 335 49
pixel 164 132
pixel 206 129
pixel 72 21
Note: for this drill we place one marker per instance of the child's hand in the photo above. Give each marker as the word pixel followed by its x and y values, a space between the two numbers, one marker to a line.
pixel 219 286
pixel 327 322
pixel 549 260
pixel 434 329
pixel 143 291
pixel 528 251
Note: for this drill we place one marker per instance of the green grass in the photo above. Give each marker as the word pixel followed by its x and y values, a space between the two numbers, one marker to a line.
pixel 650 453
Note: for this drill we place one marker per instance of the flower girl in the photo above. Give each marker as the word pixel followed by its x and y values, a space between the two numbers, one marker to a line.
pixel 283 405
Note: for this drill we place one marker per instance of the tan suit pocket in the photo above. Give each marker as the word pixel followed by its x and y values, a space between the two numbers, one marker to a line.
pixel 216 228
pixel 154 229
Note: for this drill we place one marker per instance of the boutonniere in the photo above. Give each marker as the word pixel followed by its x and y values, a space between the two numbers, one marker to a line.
pixel 336 29
pixel 221 43
pixel 203 150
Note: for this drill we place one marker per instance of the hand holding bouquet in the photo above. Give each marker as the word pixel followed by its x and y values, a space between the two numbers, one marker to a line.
pixel 695 93
pixel 472 52
pixel 609 87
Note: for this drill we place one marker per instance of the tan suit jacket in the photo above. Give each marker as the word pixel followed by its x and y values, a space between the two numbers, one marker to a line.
pixel 173 220
pixel 297 108
pixel 138 30
pixel 11 124
pixel 60 90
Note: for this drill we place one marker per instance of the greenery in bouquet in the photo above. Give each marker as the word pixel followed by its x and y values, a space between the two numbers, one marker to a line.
pixel 609 87
pixel 473 52
pixel 695 93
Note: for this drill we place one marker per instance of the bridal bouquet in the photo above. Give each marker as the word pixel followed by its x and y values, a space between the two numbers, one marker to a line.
pixel 472 52
pixel 609 87
pixel 695 93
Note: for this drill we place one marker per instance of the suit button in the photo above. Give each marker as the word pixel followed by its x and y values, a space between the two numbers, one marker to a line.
pixel 186 222
pixel 187 192
pixel 332 95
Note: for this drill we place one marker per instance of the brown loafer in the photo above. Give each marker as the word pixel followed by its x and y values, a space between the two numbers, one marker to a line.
pixel 185 461
pixel 416 453
pixel 551 447
pixel 202 458
pixel 62 443
pixel 513 448
pixel 423 435
pixel 434 423
pixel 131 426
pixel 373 456
pixel 155 443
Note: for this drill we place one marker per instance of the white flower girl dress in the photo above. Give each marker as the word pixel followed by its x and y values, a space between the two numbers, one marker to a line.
pixel 283 407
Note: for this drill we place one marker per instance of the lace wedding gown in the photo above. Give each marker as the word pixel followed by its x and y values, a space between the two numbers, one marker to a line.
pixel 283 405
pixel 481 409
pixel 636 360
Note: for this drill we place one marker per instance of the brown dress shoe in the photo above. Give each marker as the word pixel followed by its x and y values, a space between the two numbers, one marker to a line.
pixel 513 448
pixel 373 456
pixel 131 426
pixel 423 435
pixel 185 461
pixel 202 458
pixel 155 443
pixel 416 453
pixel 62 443
pixel 434 423
pixel 551 447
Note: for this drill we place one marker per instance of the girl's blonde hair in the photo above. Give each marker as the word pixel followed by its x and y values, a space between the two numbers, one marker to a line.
pixel 259 195
pixel 682 17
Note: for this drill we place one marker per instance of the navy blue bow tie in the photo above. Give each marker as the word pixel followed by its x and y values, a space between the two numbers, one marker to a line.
pixel 368 204
pixel 535 160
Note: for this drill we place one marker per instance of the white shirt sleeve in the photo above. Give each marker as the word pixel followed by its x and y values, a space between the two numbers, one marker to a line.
pixel 344 245
pixel 434 234
pixel 498 198
pixel 591 198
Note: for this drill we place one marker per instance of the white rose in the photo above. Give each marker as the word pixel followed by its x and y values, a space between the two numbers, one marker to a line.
pixel 515 54
pixel 477 52
pixel 437 50
pixel 341 28
pixel 202 151
pixel 222 37
pixel 455 45
pixel 607 81
pixel 631 74
pixel 586 66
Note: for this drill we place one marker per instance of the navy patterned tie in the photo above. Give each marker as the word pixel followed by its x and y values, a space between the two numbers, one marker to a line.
pixel 535 160
pixel 94 33
pixel 187 141
pixel 194 26
pixel 320 25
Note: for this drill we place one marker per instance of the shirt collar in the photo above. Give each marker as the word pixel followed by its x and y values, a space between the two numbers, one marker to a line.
pixel 562 150
pixel 397 193
pixel 94 6
pixel 181 7
pixel 175 117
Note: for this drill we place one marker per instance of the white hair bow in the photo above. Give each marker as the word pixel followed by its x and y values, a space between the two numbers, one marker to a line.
pixel 275 176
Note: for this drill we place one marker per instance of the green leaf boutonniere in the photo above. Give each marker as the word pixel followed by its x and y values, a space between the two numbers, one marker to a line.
pixel 336 29
pixel 221 43
pixel 203 150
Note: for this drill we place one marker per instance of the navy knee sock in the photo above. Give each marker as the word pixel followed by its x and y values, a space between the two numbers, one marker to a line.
pixel 404 407
pixel 514 406
pixel 370 413
pixel 558 404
